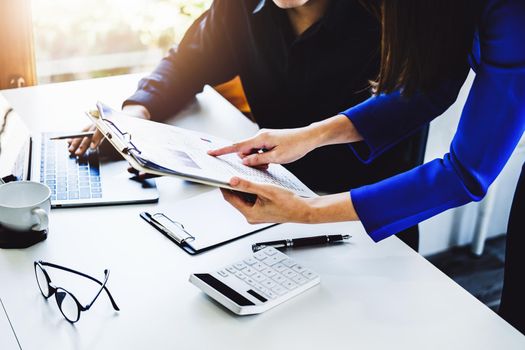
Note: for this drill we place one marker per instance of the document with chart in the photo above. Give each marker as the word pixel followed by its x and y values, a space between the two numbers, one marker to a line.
pixel 162 149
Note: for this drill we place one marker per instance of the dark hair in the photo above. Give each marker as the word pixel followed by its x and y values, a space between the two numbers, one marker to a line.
pixel 422 41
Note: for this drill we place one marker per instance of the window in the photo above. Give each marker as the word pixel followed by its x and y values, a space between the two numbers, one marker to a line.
pixel 93 38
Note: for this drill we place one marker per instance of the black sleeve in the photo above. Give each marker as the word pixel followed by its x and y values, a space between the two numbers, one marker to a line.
pixel 204 56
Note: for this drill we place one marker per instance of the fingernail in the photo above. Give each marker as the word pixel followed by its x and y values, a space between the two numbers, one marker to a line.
pixel 234 181
pixel 92 145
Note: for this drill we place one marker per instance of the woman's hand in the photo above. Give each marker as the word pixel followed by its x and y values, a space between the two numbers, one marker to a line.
pixel 272 146
pixel 271 204
pixel 288 145
pixel 79 146
pixel 277 205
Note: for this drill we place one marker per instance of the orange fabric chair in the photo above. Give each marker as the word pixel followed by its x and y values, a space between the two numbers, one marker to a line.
pixel 233 91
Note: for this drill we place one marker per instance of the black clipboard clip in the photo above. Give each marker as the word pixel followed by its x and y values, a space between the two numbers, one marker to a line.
pixel 174 230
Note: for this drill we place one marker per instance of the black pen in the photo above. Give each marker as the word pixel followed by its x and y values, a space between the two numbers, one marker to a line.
pixel 73 136
pixel 301 242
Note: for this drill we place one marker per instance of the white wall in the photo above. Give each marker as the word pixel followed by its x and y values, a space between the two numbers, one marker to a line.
pixel 457 226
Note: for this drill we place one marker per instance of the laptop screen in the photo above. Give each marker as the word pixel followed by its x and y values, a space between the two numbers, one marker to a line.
pixel 14 143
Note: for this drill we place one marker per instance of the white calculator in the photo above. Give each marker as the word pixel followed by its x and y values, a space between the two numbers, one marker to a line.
pixel 257 283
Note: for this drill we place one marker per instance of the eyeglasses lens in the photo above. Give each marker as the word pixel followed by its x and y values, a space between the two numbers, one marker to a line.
pixel 67 305
pixel 42 281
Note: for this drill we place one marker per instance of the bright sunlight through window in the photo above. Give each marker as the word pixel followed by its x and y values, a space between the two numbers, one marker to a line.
pixel 93 38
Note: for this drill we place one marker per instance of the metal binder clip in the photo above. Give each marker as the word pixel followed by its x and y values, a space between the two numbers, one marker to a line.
pixel 173 229
pixel 124 138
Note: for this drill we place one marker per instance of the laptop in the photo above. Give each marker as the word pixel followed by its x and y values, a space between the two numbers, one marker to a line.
pixel 99 178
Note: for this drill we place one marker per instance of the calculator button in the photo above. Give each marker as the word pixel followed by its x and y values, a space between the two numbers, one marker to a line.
pixel 299 279
pixel 309 274
pixel 265 290
pixel 270 283
pixel 270 294
pixel 259 277
pixel 239 266
pixel 258 266
pixel 250 261
pixel 280 290
pixel 249 271
pixel 272 260
pixel 223 273
pixel 288 262
pixel 279 267
pixel 231 269
pixel 259 287
pixel 260 255
pixel 240 275
pixel 289 273
pixel 279 278
pixel 290 285
pixel 270 251
pixel 298 268
pixel 268 272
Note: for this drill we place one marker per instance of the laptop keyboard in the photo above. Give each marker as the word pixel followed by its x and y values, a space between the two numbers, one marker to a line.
pixel 69 177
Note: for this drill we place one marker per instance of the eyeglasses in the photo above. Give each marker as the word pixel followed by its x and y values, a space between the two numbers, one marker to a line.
pixel 67 303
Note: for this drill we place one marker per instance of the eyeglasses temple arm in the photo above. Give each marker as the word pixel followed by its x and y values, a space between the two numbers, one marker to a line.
pixel 106 273
pixel 113 303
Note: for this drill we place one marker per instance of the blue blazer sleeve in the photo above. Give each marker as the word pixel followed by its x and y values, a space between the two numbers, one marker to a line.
pixel 386 119
pixel 491 125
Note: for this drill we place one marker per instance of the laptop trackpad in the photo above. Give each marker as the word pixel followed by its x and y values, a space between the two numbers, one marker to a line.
pixel 121 186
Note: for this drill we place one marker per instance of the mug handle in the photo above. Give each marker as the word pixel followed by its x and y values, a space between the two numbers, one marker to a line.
pixel 42 217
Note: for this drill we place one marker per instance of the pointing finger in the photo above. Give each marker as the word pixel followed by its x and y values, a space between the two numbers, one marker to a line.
pixel 224 150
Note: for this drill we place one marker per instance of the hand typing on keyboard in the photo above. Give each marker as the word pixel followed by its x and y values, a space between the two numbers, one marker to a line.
pixel 78 146
pixel 69 177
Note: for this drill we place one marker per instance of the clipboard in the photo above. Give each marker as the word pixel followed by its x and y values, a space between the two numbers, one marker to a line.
pixel 161 149
pixel 183 223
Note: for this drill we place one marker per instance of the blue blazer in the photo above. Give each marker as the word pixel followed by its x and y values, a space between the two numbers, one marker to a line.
pixel 491 125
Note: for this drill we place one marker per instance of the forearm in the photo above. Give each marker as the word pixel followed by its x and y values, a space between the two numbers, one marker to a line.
pixel 137 110
pixel 331 208
pixel 334 130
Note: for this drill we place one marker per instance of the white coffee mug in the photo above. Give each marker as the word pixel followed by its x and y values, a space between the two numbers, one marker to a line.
pixel 25 205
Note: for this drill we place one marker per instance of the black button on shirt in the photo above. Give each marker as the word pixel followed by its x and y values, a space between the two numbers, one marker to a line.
pixel 289 81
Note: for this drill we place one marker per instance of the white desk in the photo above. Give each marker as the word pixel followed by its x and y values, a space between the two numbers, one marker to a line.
pixel 371 296
pixel 7 337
